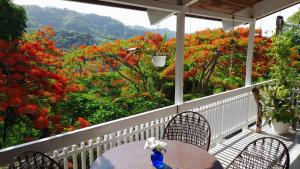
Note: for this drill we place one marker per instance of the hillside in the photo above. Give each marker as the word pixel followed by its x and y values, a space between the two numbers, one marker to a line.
pixel 88 28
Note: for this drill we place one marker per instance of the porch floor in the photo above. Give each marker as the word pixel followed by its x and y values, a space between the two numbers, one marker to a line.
pixel 226 151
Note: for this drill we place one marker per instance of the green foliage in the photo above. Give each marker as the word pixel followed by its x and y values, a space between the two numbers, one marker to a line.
pixel 277 105
pixel 276 100
pixel 282 71
pixel 19 133
pixel 67 39
pixel 12 20
pixel 295 18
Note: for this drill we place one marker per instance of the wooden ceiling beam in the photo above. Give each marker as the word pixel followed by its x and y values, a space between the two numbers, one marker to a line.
pixel 147 4
pixel 243 3
pixel 163 6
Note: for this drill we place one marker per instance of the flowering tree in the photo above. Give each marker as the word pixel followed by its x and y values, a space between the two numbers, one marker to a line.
pixel 55 92
pixel 32 82
pixel 129 59
pixel 216 59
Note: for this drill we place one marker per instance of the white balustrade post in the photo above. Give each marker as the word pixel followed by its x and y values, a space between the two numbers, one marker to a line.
pixel 179 70
pixel 55 155
pixel 65 157
pixel 125 135
pixel 142 137
pixel 157 128
pixel 162 128
pixel 147 130
pixel 137 134
pixel 250 53
pixel 83 156
pixel 152 128
pixel 74 156
pixel 222 104
pixel 99 151
pixel 248 104
pixel 130 134
pixel 91 152
pixel 105 139
pixel 119 138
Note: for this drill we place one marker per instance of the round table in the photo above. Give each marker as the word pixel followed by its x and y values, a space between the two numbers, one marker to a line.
pixel 178 156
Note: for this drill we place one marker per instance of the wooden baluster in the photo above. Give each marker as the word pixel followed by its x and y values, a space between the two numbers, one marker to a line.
pixel 157 128
pixel 125 136
pixel 74 156
pixel 118 138
pixel 137 134
pixel 147 130
pixel 130 134
pixel 98 146
pixel 161 127
pixel 65 158
pixel 152 128
pixel 142 136
pixel 83 157
pixel 105 146
pixel 91 152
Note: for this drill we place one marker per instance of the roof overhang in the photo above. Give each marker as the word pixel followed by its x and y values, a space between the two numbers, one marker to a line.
pixel 244 11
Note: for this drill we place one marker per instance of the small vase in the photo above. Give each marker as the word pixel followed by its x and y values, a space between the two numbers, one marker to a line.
pixel 157 159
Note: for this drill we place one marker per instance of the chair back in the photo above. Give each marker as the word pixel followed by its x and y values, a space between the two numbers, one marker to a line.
pixel 189 127
pixel 33 160
pixel 263 153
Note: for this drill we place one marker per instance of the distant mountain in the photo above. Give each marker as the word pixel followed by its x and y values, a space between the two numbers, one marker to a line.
pixel 75 28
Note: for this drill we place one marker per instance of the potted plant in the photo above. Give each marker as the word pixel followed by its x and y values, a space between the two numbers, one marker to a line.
pixel 276 100
pixel 278 108
pixel 159 60
pixel 156 48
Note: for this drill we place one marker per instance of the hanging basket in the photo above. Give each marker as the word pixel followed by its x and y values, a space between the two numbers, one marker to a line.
pixel 159 61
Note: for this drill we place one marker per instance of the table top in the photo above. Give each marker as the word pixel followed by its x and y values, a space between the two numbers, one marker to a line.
pixel 178 156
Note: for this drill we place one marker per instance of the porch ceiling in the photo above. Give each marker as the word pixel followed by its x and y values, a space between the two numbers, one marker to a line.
pixel 225 6
pixel 208 9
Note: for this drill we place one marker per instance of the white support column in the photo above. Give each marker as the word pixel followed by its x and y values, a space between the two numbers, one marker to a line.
pixel 179 57
pixel 250 53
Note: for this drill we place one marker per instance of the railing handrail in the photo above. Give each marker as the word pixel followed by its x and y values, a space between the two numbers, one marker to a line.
pixel 295 83
pixel 84 134
pixel 221 96
pixel 74 137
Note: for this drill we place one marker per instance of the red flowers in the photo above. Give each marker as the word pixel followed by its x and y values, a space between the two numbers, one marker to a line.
pixel 41 122
pixel 55 119
pixel 14 101
pixel 31 107
pixel 31 75
pixel 44 112
pixel 36 72
pixel 1 119
pixel 82 122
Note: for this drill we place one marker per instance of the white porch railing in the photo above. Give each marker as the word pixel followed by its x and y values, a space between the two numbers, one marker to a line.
pixel 296 93
pixel 226 112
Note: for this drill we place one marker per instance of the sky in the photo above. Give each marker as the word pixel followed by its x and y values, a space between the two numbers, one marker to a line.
pixel 140 18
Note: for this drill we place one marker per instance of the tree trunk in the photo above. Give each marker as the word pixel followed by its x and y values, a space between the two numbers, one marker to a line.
pixel 204 85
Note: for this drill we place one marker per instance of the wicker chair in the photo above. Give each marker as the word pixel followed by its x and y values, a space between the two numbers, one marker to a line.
pixel 33 160
pixel 189 127
pixel 262 153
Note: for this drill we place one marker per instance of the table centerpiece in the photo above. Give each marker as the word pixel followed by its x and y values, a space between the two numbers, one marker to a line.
pixel 157 148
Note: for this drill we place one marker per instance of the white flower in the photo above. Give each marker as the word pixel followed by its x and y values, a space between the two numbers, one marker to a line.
pixel 152 143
